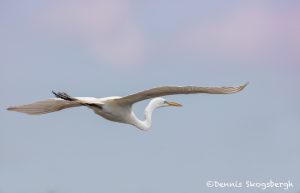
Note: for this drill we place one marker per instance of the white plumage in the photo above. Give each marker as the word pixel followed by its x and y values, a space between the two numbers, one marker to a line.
pixel 119 109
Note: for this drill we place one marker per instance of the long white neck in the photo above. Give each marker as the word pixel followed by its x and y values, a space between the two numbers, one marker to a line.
pixel 146 124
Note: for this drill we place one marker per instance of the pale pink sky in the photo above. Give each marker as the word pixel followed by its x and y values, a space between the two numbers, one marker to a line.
pixel 245 31
pixel 109 29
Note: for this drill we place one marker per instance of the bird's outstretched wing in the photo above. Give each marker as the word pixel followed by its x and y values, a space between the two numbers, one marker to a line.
pixel 171 90
pixel 45 106
pixel 62 101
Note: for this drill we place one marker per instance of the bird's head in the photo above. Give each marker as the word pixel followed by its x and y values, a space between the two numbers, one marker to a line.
pixel 161 102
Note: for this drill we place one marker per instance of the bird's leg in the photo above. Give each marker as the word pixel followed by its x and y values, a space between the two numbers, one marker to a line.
pixel 64 96
pixel 67 97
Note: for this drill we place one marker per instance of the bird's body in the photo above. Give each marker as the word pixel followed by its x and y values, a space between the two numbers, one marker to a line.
pixel 119 109
pixel 112 111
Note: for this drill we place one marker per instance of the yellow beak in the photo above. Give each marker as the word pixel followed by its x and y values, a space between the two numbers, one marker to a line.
pixel 174 104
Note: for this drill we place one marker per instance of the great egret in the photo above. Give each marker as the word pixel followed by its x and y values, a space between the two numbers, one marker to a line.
pixel 119 109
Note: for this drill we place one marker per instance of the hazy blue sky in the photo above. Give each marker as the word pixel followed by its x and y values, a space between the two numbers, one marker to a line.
pixel 105 48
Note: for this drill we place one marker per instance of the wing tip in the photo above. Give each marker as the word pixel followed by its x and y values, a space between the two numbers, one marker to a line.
pixel 15 109
pixel 240 88
pixel 10 108
pixel 244 85
pixel 20 110
pixel 231 90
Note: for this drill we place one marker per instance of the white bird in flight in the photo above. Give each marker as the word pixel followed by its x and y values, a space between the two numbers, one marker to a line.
pixel 119 109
